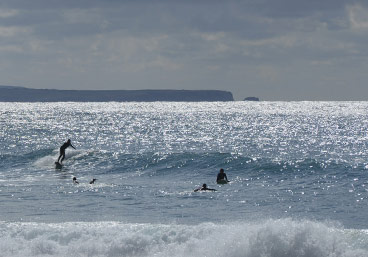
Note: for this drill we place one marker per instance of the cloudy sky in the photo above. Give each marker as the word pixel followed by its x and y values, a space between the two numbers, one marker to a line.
pixel 272 49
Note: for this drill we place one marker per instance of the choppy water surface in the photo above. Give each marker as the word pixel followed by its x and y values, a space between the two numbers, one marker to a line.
pixel 298 174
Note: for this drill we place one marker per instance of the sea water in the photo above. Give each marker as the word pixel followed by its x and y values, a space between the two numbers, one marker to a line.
pixel 298 176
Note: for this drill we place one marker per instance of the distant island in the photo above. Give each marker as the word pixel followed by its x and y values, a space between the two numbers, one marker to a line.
pixel 251 98
pixel 23 94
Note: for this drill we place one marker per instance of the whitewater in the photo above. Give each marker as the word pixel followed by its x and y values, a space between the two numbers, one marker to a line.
pixel 297 170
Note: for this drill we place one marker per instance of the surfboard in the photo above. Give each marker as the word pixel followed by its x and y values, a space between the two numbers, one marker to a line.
pixel 222 181
pixel 58 165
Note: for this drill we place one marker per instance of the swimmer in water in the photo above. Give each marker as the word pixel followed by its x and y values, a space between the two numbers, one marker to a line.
pixel 75 180
pixel 204 188
pixel 92 181
pixel 62 151
pixel 222 176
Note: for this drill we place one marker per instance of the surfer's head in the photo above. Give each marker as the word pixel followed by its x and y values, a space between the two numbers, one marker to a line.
pixel 204 185
pixel 92 181
pixel 69 141
pixel 221 170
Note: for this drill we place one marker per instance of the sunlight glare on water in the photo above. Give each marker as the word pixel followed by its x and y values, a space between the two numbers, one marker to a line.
pixel 284 159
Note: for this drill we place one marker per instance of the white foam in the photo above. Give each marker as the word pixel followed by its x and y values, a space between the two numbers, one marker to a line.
pixel 273 238
pixel 50 160
pixel 46 161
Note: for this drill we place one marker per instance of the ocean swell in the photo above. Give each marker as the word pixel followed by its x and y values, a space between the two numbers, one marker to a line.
pixel 110 162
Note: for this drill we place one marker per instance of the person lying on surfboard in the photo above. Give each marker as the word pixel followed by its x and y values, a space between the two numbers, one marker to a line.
pixel 221 176
pixel 204 188
pixel 62 150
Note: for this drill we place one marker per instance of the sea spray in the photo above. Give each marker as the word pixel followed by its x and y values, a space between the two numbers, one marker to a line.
pixel 273 238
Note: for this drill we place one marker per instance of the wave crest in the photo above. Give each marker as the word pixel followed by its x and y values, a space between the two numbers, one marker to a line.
pixel 273 238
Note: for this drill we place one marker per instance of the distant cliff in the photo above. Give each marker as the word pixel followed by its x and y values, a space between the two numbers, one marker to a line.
pixel 251 98
pixel 21 94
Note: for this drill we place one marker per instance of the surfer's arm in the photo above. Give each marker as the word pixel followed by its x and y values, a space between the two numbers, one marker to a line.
pixel 73 147
pixel 226 178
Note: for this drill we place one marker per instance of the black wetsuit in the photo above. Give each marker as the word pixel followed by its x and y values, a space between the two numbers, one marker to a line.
pixel 221 176
pixel 62 151
pixel 204 189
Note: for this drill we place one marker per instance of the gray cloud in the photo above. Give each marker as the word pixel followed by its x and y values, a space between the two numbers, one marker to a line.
pixel 282 49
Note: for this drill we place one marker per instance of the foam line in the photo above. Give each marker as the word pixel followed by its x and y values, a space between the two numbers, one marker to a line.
pixel 274 238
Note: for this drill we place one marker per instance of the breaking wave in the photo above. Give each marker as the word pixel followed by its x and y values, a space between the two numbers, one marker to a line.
pixel 273 238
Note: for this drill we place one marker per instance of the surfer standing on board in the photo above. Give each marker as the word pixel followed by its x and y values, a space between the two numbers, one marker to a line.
pixel 62 150
pixel 221 176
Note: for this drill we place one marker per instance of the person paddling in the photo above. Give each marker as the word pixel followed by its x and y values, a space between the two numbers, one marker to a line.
pixel 62 150
pixel 204 188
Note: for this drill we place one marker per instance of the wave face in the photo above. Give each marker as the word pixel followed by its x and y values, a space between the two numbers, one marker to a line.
pixel 297 170
pixel 276 238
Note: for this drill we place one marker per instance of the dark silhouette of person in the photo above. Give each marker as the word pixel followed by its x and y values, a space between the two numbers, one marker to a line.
pixel 62 150
pixel 221 176
pixel 92 181
pixel 75 180
pixel 204 188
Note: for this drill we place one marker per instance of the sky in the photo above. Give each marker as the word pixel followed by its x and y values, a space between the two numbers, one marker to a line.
pixel 272 49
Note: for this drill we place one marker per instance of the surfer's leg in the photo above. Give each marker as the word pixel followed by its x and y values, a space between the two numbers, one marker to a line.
pixel 62 155
pixel 62 158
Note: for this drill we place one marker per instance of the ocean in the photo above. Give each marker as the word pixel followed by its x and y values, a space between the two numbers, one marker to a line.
pixel 298 176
